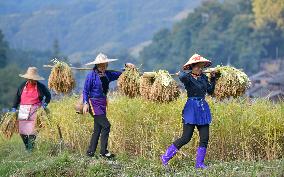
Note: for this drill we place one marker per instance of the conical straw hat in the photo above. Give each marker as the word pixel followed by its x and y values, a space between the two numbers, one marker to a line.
pixel 196 58
pixel 101 58
pixel 32 74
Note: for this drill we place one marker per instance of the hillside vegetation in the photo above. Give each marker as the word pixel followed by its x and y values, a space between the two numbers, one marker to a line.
pixel 238 32
pixel 86 26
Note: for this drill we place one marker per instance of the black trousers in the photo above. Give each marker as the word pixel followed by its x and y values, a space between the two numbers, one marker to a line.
pixel 188 130
pixel 101 129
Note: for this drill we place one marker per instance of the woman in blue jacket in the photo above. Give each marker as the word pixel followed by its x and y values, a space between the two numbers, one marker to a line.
pixel 95 102
pixel 196 112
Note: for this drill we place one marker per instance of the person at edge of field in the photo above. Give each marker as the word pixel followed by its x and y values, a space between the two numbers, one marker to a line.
pixel 31 95
pixel 196 112
pixel 95 102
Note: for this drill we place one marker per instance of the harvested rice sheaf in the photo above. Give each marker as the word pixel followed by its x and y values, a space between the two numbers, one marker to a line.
pixel 146 84
pixel 42 118
pixel 165 88
pixel 9 125
pixel 61 79
pixel 128 82
pixel 231 82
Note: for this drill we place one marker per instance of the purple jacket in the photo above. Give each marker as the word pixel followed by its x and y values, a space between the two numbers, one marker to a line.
pixel 93 85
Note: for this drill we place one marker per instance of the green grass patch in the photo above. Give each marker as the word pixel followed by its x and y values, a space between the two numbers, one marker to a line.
pixel 15 161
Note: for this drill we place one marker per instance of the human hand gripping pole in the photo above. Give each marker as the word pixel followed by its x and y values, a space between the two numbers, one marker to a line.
pixel 44 106
pixel 130 65
pixel 43 103
pixel 13 110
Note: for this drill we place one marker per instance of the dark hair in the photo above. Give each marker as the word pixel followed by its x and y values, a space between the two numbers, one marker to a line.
pixel 96 66
pixel 191 66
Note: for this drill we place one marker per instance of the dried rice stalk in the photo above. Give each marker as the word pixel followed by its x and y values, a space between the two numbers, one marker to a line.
pixel 165 88
pixel 145 86
pixel 9 125
pixel 128 82
pixel 61 79
pixel 42 118
pixel 231 82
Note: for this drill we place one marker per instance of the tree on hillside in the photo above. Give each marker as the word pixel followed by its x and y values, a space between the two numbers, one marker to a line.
pixel 267 11
pixel 56 53
pixel 3 51
pixel 155 54
pixel 56 49
pixel 9 83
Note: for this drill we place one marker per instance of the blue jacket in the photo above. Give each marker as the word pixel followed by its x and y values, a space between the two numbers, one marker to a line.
pixel 93 85
pixel 196 110
pixel 197 87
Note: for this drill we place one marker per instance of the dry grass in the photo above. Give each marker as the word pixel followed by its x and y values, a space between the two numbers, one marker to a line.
pixel 9 125
pixel 241 130
pixel 231 82
pixel 42 119
pixel 61 79
pixel 146 84
pixel 129 82
pixel 160 87
pixel 165 88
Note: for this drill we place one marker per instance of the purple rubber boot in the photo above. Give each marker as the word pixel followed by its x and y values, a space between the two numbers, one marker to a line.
pixel 200 156
pixel 169 154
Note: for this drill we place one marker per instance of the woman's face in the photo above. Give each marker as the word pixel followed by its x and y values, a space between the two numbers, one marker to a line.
pixel 102 67
pixel 31 81
pixel 197 68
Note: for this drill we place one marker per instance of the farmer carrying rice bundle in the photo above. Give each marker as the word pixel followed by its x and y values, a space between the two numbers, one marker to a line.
pixel 95 101
pixel 31 95
pixel 196 112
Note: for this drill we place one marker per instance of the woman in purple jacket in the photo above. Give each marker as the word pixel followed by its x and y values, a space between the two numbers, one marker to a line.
pixel 95 102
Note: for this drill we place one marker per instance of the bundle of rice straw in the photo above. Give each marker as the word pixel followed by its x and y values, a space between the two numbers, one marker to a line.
pixel 128 82
pixel 145 86
pixel 9 125
pixel 231 82
pixel 42 118
pixel 165 88
pixel 61 79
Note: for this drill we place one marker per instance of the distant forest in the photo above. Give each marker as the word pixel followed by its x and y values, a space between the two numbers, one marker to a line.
pixel 243 33
pixel 88 26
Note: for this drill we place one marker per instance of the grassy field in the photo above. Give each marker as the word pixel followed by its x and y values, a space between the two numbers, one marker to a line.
pixel 15 161
pixel 247 139
pixel 241 129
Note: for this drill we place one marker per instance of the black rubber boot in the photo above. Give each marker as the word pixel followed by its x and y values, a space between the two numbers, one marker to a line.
pixel 31 142
pixel 25 140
